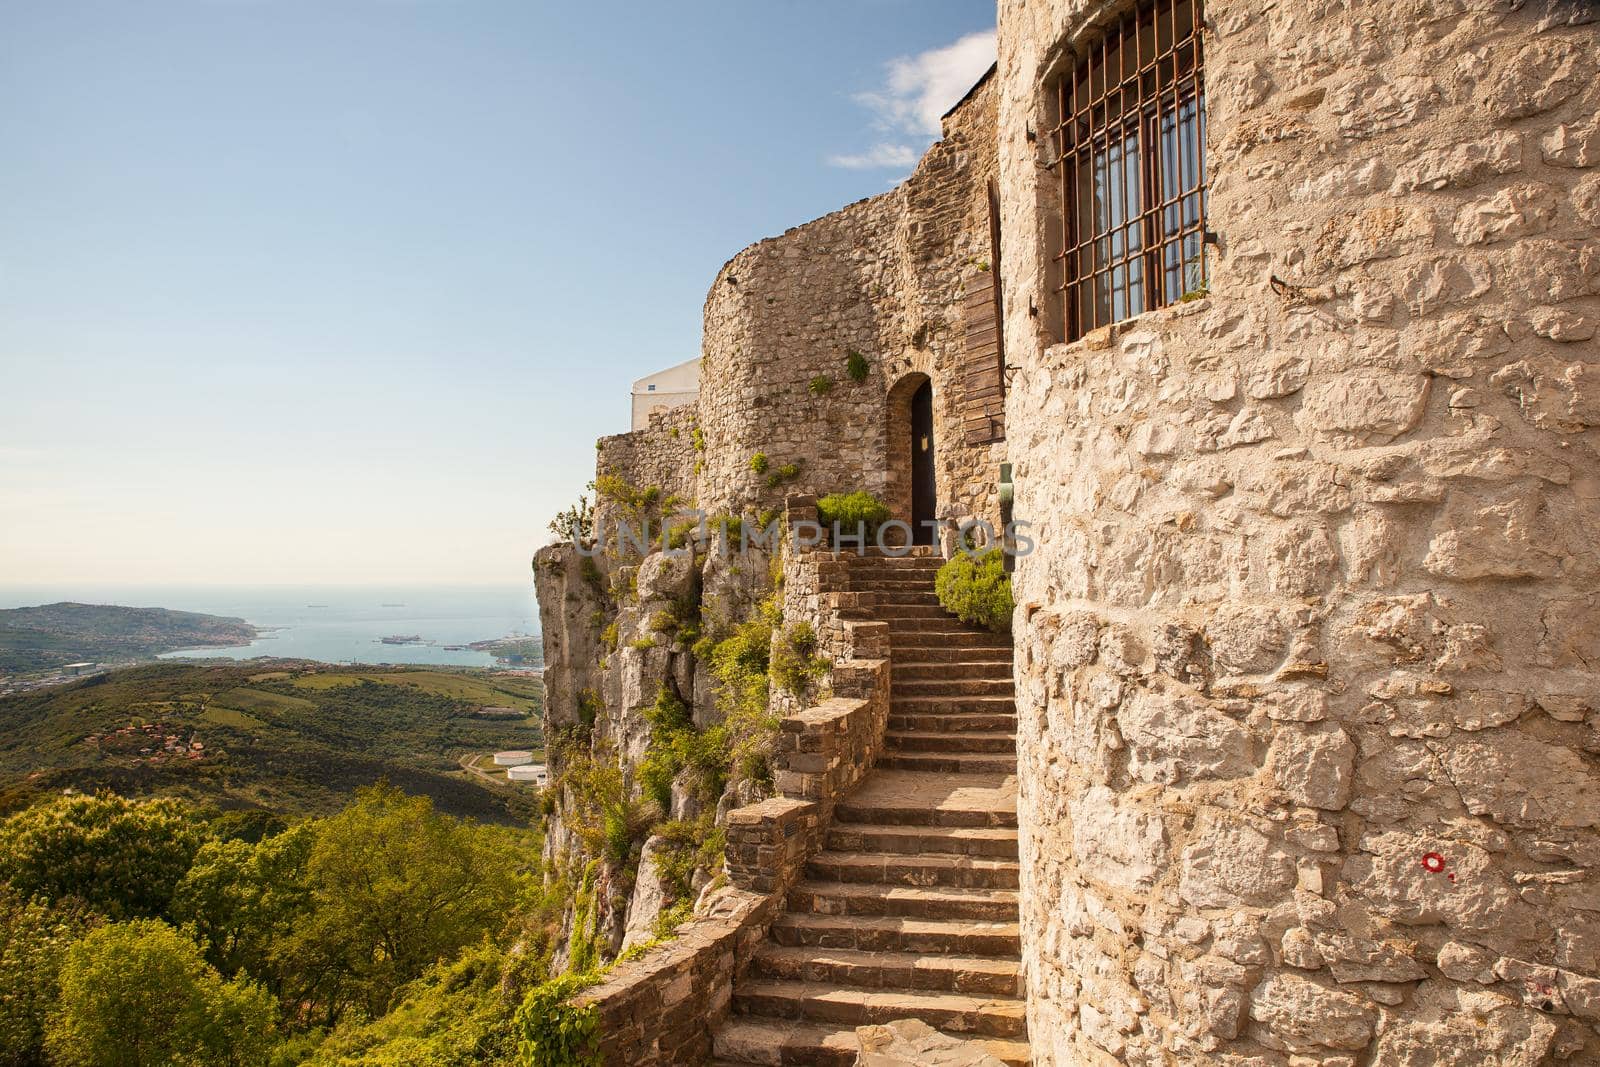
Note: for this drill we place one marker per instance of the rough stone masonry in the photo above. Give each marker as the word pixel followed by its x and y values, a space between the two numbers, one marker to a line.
pixel 1306 664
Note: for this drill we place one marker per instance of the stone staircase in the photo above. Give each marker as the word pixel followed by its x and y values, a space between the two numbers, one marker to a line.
pixel 910 909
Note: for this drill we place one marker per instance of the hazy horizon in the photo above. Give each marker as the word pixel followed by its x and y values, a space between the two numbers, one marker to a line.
pixel 342 293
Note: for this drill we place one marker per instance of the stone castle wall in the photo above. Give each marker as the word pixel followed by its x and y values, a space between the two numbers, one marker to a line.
pixel 884 278
pixel 1310 756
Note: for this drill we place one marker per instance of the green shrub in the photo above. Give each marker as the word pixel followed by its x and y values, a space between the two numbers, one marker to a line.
pixel 795 664
pixel 786 473
pixel 856 365
pixel 977 590
pixel 821 385
pixel 758 463
pixel 554 1032
pixel 697 437
pixel 852 510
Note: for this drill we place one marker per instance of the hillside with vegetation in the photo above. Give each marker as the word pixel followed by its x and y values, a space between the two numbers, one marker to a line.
pixel 151 934
pixel 51 635
pixel 288 738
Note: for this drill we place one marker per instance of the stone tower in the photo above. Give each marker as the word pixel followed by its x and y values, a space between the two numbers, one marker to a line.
pixel 1307 703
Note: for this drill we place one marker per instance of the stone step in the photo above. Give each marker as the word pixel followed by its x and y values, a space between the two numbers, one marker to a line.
pixel 917 556
pixel 761 1041
pixel 945 637
pixel 952 705
pixel 956 667
pixel 889 868
pixel 943 623
pixel 947 763
pixel 899 579
pixel 976 722
pixel 913 655
pixel 910 798
pixel 892 612
pixel 951 1012
pixel 910 598
pixel 889 970
pixel 910 902
pixel 995 842
pixel 935 741
pixel 953 687
pixel 890 933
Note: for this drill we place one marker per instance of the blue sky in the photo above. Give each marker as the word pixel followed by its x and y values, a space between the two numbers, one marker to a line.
pixel 343 290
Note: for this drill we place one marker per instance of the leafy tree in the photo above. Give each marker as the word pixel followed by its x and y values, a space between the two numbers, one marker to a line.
pixel 33 943
pixel 395 888
pixel 138 994
pixel 121 857
pixel 243 899
pixel 459 1014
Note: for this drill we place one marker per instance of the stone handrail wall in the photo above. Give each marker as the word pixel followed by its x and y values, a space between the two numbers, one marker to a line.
pixel 660 1010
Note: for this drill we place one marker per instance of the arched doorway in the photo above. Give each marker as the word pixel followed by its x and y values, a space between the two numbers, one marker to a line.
pixel 912 486
pixel 924 485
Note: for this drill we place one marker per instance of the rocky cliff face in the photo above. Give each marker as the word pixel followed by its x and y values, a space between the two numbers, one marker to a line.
pixel 632 705
pixel 1307 650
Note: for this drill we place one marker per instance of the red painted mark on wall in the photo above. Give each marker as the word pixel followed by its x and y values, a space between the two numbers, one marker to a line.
pixel 1433 863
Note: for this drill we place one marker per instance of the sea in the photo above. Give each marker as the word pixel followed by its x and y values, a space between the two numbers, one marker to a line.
pixel 339 624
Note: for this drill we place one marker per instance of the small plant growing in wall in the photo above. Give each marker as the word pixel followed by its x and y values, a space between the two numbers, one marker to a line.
pixel 786 473
pixel 758 463
pixel 795 665
pixel 697 437
pixel 856 366
pixel 977 590
pixel 852 511
pixel 821 385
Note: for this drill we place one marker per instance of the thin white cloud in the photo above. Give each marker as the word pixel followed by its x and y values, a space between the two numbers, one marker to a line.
pixel 878 157
pixel 921 88
pixel 916 92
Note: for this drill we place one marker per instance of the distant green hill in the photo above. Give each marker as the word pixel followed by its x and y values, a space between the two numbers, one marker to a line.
pixel 40 638
pixel 288 736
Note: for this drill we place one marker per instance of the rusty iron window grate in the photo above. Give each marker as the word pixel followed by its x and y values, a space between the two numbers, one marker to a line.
pixel 1129 147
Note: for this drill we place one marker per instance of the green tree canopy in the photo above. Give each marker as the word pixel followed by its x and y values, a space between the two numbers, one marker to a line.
pixel 33 943
pixel 243 899
pixel 121 857
pixel 138 994
pixel 395 887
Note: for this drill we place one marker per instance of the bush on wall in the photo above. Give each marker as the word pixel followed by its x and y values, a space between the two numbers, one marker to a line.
pixel 851 511
pixel 977 590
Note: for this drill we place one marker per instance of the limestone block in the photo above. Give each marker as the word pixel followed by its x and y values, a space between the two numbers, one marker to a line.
pixel 1355 178
pixel 1508 1037
pixel 1229 863
pixel 1372 406
pixel 1383 232
pixel 1572 145
pixel 1118 842
pixel 1460 165
pixel 1540 76
pixel 1177 737
pixel 1515 211
pixel 1503 536
pixel 1313 765
pixel 1360 959
pixel 1388 873
pixel 1302 1016
pixel 913 1043
pixel 1586 199
pixel 1563 325
pixel 1373 104
pixel 1466 963
pixel 1520 781
pixel 1247 638
pixel 1300 558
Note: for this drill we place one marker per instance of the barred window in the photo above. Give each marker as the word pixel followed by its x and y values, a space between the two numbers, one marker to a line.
pixel 1129 149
